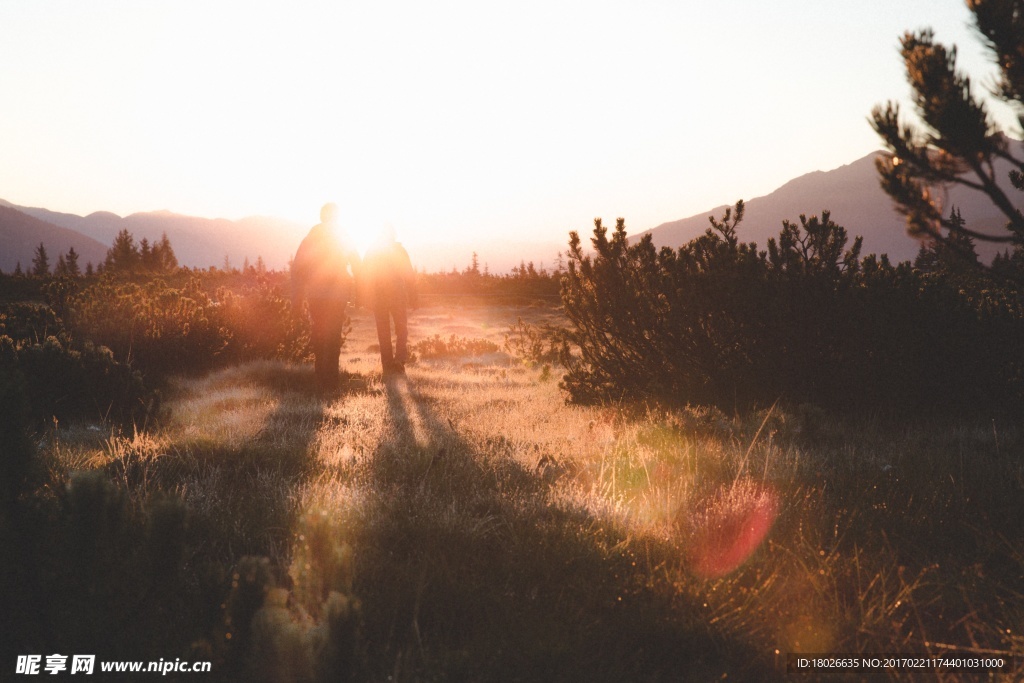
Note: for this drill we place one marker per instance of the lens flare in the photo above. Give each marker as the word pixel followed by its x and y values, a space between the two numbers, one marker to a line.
pixel 732 526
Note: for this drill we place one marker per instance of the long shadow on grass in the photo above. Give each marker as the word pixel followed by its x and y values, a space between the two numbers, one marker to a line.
pixel 116 566
pixel 240 496
pixel 245 492
pixel 467 570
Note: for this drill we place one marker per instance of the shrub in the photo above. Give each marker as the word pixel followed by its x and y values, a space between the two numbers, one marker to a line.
pixel 164 330
pixel 262 324
pixel 28 321
pixel 531 344
pixel 720 322
pixel 453 347
pixel 59 382
pixel 159 329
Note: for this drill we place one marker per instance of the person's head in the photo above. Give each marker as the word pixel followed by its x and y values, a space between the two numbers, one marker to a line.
pixel 329 214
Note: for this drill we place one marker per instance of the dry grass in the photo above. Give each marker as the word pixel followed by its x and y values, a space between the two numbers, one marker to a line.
pixel 463 522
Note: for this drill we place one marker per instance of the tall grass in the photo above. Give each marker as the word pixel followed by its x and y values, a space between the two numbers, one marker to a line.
pixel 464 523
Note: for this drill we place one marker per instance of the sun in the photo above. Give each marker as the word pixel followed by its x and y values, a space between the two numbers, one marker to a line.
pixel 361 238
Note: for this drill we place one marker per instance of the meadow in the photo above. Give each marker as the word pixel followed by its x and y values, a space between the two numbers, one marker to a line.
pixel 465 523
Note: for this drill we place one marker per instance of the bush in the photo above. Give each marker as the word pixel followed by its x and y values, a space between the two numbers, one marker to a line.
pixel 719 322
pixel 531 344
pixel 453 347
pixel 29 321
pixel 158 329
pixel 164 330
pixel 262 324
pixel 54 381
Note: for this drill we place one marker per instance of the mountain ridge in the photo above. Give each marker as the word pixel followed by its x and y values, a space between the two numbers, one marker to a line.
pixel 198 242
pixel 21 234
pixel 853 196
pixel 851 193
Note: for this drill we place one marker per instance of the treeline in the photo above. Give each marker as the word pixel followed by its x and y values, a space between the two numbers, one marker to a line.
pixel 719 321
pixel 525 282
pixel 125 256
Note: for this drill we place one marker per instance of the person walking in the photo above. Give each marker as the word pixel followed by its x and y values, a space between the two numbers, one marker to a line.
pixel 390 291
pixel 323 273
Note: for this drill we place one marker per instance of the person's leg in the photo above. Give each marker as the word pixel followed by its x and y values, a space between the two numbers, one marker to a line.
pixel 380 315
pixel 401 316
pixel 317 338
pixel 332 345
pixel 327 319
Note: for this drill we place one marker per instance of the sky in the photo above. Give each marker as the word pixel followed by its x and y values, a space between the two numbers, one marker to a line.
pixel 451 121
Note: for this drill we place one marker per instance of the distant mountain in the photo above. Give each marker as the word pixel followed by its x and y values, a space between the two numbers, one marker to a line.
pixel 197 242
pixel 204 242
pixel 857 202
pixel 21 233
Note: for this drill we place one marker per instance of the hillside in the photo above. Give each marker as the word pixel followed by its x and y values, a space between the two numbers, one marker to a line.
pixel 21 233
pixel 198 242
pixel 857 202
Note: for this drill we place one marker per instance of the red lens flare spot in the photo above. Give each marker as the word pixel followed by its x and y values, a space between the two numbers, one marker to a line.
pixel 727 532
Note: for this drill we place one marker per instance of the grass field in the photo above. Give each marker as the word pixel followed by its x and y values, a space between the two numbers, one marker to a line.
pixel 464 523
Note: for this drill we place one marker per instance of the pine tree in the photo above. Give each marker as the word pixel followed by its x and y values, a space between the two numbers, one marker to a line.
pixel 40 262
pixel 954 254
pixel 146 258
pixel 72 263
pixel 163 255
pixel 89 270
pixel 17 270
pixel 123 255
pixel 61 269
pixel 959 142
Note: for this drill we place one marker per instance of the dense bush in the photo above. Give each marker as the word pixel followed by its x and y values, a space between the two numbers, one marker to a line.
pixel 157 328
pixel 720 322
pixel 162 329
pixel 50 379
pixel 29 321
pixel 261 324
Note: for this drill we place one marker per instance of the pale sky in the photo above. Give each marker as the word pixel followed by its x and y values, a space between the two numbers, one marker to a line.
pixel 450 120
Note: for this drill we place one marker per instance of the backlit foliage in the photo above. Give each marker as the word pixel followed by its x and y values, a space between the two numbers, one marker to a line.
pixel 957 141
pixel 809 320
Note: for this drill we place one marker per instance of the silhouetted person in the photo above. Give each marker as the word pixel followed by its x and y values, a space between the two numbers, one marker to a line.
pixel 323 273
pixel 389 286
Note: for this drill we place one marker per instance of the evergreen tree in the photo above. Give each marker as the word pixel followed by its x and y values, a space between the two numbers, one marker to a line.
pixel 959 141
pixel 163 255
pixel 953 254
pixel 72 263
pixel 40 262
pixel 146 259
pixel 123 255
pixel 88 269
pixel 61 269
pixel 17 270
